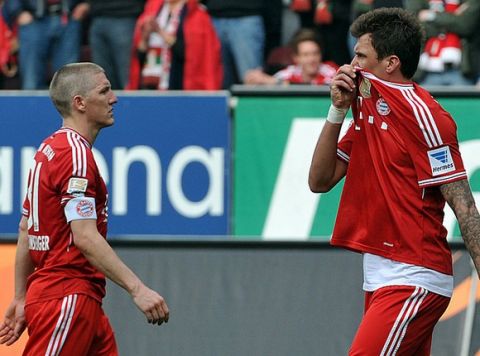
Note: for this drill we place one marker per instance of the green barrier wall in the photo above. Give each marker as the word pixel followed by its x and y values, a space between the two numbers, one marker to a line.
pixel 274 140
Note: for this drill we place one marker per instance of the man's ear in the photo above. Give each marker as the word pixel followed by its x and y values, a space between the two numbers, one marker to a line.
pixel 79 103
pixel 392 64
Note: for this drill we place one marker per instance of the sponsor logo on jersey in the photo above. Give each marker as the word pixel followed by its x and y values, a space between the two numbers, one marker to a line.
pixel 77 185
pixel 382 107
pixel 85 208
pixel 441 161
pixel 38 243
pixel 365 88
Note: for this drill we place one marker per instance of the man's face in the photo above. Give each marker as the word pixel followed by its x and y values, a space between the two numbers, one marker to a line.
pixel 308 57
pixel 99 102
pixel 366 57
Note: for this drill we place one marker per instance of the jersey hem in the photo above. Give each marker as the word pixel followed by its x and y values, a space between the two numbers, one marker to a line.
pixel 62 295
pixel 361 248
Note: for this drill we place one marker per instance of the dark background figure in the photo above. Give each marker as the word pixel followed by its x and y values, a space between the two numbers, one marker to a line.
pixel 241 30
pixel 448 57
pixel 331 19
pixel 49 33
pixel 111 36
pixel 273 21
pixel 8 54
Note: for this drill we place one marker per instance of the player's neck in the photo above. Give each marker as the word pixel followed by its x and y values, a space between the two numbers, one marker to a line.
pixel 89 133
pixel 394 77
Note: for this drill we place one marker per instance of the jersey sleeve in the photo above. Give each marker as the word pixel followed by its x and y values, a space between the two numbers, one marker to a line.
pixel 344 147
pixel 435 153
pixel 75 178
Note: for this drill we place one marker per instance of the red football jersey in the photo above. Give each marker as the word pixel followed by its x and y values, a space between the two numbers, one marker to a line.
pixel 64 184
pixel 293 74
pixel 400 147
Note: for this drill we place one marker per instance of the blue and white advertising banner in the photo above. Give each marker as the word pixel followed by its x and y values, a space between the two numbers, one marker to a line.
pixel 166 161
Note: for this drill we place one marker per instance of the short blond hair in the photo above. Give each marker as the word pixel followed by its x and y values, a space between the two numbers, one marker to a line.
pixel 71 80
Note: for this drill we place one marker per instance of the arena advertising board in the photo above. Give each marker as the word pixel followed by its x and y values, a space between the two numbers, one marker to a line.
pixel 273 150
pixel 166 161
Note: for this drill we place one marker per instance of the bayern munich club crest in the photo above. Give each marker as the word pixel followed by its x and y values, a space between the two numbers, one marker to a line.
pixel 85 208
pixel 382 107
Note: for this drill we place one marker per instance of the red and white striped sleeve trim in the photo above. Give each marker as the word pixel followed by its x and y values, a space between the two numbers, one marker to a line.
pixel 343 156
pixel 444 179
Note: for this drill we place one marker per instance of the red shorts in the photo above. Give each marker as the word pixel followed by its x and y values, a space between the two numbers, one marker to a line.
pixel 73 325
pixel 398 320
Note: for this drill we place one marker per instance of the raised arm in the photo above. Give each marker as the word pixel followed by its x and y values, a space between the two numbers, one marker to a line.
pixel 459 197
pixel 326 170
pixel 99 253
pixel 14 322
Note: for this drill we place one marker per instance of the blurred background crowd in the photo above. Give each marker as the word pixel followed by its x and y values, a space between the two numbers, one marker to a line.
pixel 213 44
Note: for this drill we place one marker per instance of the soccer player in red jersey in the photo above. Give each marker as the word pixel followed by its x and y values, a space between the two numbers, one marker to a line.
pixel 402 163
pixel 62 256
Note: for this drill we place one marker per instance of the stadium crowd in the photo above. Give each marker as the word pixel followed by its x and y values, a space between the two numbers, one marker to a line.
pixel 212 44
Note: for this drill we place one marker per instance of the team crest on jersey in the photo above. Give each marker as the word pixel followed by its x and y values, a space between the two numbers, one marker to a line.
pixel 441 161
pixel 382 107
pixel 85 208
pixel 77 185
pixel 365 86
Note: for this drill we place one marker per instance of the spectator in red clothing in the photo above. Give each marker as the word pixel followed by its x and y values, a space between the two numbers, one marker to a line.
pixel 8 49
pixel 175 47
pixel 308 67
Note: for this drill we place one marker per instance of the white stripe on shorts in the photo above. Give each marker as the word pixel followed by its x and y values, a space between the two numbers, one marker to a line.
pixel 399 329
pixel 63 324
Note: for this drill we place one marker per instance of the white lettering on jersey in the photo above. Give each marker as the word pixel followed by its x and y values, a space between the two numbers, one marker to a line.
pixel 441 161
pixel 38 243
pixel 32 196
pixel 77 185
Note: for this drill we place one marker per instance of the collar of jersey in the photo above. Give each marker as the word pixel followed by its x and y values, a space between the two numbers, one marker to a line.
pixel 68 129
pixel 370 75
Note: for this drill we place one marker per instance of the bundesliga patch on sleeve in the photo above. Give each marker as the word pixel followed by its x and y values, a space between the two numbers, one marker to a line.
pixel 77 185
pixel 80 208
pixel 441 161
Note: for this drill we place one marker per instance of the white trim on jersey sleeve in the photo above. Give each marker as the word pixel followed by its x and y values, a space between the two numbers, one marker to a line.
pixel 80 208
pixel 343 156
pixel 444 179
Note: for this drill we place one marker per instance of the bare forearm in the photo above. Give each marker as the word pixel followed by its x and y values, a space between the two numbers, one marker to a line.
pixel 23 262
pixel 470 228
pixel 459 197
pixel 324 160
pixel 99 253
